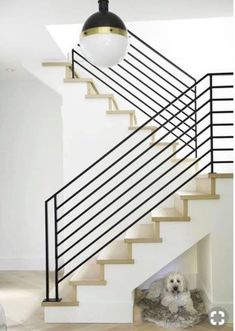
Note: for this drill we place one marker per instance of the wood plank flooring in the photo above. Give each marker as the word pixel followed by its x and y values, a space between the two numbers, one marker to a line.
pixel 21 294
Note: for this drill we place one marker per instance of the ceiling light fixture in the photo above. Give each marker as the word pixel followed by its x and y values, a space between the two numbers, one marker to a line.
pixel 104 37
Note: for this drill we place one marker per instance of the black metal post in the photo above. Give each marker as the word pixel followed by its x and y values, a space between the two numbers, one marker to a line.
pixel 73 72
pixel 195 118
pixel 47 252
pixel 56 252
pixel 211 123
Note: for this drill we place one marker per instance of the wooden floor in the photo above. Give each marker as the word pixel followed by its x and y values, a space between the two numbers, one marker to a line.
pixel 22 292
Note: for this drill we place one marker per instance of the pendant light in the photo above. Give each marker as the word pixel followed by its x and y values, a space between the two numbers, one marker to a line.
pixel 104 37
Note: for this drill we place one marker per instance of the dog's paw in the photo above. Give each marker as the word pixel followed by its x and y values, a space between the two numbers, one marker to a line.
pixel 173 308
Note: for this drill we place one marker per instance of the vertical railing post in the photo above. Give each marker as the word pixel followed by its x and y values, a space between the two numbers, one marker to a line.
pixel 47 252
pixel 195 118
pixel 56 252
pixel 73 70
pixel 211 124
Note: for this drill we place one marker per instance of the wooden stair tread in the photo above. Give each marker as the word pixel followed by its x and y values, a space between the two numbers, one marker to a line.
pixel 188 195
pixel 78 80
pixel 89 274
pixel 141 233
pixel 147 127
pixel 99 96
pixel 56 63
pixel 168 214
pixel 115 253
pixel 215 175
pixel 60 304
pixel 122 112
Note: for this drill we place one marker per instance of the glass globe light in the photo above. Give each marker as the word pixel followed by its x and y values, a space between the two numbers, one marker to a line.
pixel 104 38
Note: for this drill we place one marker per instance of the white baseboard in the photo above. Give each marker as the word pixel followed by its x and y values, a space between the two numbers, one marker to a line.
pixel 22 264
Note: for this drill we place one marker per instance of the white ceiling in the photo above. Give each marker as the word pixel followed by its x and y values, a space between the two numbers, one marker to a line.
pixel 23 33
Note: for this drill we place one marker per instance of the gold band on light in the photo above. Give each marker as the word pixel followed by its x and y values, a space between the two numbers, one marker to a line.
pixel 102 30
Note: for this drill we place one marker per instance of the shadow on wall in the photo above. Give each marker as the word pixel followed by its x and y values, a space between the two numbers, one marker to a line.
pixel 31 168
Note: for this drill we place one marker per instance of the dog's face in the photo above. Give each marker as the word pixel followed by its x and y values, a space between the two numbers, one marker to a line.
pixel 175 283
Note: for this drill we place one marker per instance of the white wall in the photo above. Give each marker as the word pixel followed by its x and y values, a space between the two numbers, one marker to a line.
pixel 204 265
pixel 30 169
pixel 185 263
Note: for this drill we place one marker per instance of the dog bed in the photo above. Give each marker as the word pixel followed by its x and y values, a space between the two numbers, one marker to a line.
pixel 154 312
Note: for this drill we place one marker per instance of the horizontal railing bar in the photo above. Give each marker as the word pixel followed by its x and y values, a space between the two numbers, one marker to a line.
pixel 155 72
pixel 150 98
pixel 123 193
pixel 159 113
pixel 223 137
pixel 161 55
pixel 222 124
pixel 222 149
pixel 158 65
pixel 151 79
pixel 132 94
pixel 223 161
pixel 221 73
pixel 222 86
pixel 223 112
pixel 136 183
pixel 128 214
pixel 130 150
pixel 222 99
pixel 120 143
pixel 120 233
pixel 136 158
pixel 134 197
pixel 152 70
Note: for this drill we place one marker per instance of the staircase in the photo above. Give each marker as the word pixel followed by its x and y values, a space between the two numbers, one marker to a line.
pixel 123 218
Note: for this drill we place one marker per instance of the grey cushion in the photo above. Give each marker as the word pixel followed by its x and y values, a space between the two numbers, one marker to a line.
pixel 154 312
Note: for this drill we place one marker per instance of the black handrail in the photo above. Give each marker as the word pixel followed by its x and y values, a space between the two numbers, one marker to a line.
pixel 131 149
pixel 145 94
pixel 154 71
pixel 219 124
pixel 151 79
pixel 123 193
pixel 128 91
pixel 125 179
pixel 197 148
pixel 160 54
pixel 133 223
pixel 129 136
pixel 127 165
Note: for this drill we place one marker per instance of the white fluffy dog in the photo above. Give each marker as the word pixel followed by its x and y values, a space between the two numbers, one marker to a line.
pixel 173 292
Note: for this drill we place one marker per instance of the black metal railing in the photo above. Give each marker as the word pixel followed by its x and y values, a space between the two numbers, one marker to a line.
pixel 74 239
pixel 134 85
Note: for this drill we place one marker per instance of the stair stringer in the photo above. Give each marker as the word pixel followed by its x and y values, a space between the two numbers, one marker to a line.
pixel 113 303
